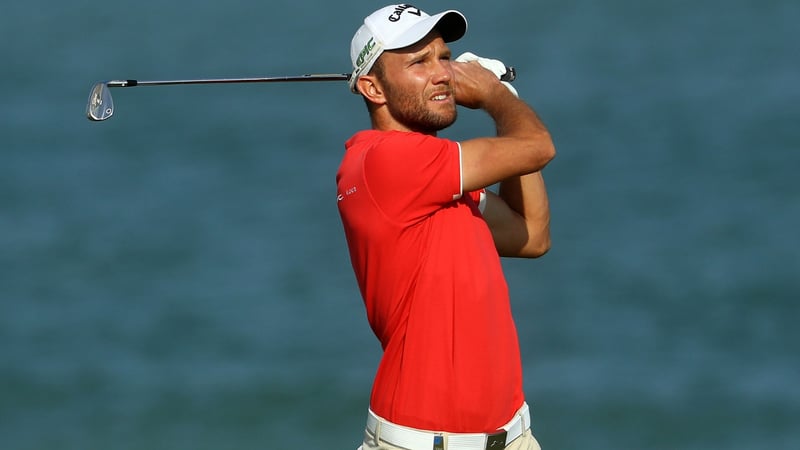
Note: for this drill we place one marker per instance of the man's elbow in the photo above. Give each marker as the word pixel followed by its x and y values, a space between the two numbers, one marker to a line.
pixel 542 151
pixel 537 247
pixel 548 148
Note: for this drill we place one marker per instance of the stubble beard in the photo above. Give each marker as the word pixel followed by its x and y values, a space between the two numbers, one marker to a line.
pixel 415 113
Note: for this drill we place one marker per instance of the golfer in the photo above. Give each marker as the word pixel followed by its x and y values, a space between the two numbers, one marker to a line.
pixel 425 235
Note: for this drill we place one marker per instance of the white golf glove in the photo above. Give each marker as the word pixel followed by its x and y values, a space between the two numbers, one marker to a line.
pixel 493 65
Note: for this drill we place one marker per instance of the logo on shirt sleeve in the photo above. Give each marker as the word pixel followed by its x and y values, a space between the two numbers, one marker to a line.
pixel 348 192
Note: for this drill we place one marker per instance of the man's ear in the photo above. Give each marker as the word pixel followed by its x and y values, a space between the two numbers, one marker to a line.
pixel 371 89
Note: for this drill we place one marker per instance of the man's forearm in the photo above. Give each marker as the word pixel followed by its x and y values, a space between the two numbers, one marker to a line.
pixel 514 119
pixel 527 196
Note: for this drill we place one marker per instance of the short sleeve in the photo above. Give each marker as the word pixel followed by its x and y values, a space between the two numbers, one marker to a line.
pixel 410 175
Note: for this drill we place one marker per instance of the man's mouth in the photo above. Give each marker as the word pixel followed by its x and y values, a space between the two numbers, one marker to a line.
pixel 441 96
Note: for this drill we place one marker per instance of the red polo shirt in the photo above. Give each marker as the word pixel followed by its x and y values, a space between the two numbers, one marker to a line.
pixel 432 284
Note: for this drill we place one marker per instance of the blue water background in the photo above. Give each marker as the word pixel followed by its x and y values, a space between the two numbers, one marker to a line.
pixel 177 278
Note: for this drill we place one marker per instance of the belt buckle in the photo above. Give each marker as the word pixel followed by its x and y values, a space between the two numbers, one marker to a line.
pixel 496 441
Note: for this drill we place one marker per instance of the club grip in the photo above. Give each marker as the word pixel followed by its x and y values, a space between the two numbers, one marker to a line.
pixel 510 75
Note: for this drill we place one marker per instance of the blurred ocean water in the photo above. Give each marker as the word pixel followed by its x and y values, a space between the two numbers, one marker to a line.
pixel 177 277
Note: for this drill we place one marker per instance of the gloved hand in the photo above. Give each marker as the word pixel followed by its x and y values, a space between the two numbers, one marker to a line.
pixel 493 65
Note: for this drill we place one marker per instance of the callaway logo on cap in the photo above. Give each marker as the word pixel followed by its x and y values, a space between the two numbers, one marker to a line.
pixel 398 26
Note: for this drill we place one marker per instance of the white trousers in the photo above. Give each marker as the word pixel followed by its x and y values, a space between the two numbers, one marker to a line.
pixel 524 442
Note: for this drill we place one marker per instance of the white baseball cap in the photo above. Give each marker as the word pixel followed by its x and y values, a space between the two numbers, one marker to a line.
pixel 398 26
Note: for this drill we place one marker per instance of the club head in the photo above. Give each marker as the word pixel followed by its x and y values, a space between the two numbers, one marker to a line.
pixel 101 105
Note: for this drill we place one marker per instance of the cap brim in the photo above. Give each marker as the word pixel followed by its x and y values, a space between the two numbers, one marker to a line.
pixel 451 24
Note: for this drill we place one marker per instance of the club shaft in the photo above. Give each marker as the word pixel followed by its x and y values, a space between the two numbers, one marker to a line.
pixel 101 105
pixel 308 77
pixel 509 76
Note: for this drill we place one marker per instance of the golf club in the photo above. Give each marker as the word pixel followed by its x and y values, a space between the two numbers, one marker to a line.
pixel 101 105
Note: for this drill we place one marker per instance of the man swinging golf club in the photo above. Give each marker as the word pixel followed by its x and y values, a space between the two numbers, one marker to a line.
pixel 425 235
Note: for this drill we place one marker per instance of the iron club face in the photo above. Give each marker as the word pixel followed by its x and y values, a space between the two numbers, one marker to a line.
pixel 101 105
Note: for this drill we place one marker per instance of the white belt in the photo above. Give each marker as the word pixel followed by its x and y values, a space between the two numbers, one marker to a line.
pixel 414 439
